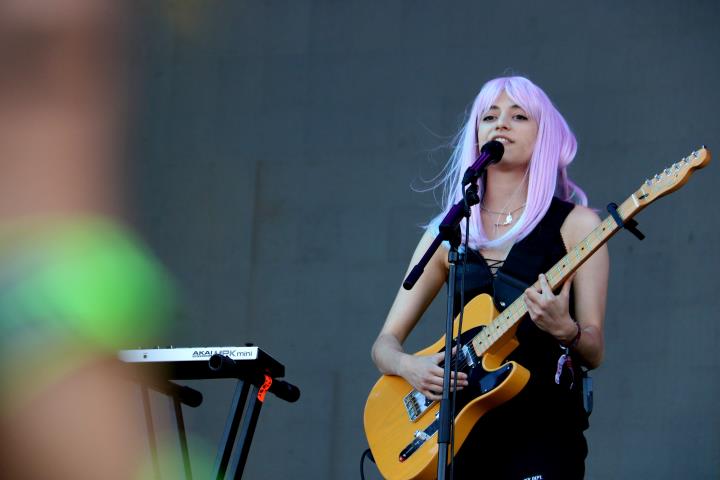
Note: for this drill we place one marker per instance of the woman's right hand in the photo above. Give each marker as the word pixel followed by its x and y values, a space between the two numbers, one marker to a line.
pixel 424 373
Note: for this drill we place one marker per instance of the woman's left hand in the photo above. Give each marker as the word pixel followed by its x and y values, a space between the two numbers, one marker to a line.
pixel 551 312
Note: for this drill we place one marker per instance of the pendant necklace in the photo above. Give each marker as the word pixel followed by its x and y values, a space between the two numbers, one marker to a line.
pixel 508 215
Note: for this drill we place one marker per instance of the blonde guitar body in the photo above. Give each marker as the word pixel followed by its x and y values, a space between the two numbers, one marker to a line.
pixel 389 427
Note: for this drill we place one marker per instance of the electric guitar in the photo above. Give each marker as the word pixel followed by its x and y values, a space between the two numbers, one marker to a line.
pixel 401 424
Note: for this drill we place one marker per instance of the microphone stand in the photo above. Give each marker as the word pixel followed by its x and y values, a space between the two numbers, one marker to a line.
pixel 449 231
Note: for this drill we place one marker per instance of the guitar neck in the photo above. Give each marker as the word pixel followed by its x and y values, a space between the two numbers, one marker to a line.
pixel 663 183
pixel 567 265
pixel 557 275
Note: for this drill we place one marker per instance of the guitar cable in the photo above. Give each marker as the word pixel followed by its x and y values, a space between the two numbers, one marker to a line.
pixel 367 453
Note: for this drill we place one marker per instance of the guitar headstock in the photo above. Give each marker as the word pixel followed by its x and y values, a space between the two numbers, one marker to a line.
pixel 673 177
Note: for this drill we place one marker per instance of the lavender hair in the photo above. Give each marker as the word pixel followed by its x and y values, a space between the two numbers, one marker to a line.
pixel 555 148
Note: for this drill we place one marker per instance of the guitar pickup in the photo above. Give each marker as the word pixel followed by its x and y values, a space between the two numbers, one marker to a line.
pixel 466 355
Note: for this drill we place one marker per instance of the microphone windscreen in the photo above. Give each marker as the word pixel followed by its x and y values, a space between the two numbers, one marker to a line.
pixel 493 149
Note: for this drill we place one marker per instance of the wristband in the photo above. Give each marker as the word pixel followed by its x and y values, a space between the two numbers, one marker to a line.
pixel 575 339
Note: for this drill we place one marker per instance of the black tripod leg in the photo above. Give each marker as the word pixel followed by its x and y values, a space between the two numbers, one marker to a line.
pixel 177 407
pixel 150 430
pixel 231 427
pixel 248 429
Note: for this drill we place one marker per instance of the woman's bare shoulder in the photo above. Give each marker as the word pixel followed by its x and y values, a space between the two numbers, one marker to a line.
pixel 578 224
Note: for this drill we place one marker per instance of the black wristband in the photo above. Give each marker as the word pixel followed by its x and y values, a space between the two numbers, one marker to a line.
pixel 575 339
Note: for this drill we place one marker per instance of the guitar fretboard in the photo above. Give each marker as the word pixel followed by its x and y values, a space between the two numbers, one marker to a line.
pixel 557 275
pixel 663 183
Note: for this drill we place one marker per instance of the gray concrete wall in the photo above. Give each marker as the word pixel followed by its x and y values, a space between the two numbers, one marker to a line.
pixel 276 143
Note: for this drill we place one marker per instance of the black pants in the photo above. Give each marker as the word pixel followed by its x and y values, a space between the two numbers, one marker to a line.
pixel 522 453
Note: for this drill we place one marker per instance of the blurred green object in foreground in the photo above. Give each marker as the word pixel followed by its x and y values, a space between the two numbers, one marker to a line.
pixel 86 280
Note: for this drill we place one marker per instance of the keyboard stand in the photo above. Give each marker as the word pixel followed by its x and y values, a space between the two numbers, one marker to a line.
pixel 225 457
pixel 177 394
pixel 243 391
pixel 256 372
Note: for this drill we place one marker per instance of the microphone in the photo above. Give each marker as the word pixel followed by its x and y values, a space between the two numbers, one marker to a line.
pixel 490 153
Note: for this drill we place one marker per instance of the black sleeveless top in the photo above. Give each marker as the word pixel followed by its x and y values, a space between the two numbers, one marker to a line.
pixel 542 404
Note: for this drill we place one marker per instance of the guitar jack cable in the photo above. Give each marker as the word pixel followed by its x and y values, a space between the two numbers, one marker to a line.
pixel 367 453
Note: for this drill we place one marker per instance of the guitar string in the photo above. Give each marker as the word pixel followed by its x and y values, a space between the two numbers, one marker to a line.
pixel 597 237
pixel 597 233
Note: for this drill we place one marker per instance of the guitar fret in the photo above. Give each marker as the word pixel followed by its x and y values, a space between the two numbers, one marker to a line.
pixel 555 276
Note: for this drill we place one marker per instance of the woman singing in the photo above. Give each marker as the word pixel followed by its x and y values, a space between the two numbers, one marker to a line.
pixel 529 216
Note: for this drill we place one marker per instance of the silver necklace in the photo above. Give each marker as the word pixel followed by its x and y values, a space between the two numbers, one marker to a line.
pixel 508 215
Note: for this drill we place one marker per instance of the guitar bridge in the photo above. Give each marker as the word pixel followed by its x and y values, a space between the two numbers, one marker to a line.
pixel 416 404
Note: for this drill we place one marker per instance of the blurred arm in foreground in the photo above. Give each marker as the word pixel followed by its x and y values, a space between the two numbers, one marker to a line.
pixel 74 284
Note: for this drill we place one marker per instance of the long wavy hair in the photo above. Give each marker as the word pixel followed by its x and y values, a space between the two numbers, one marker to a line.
pixel 555 148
